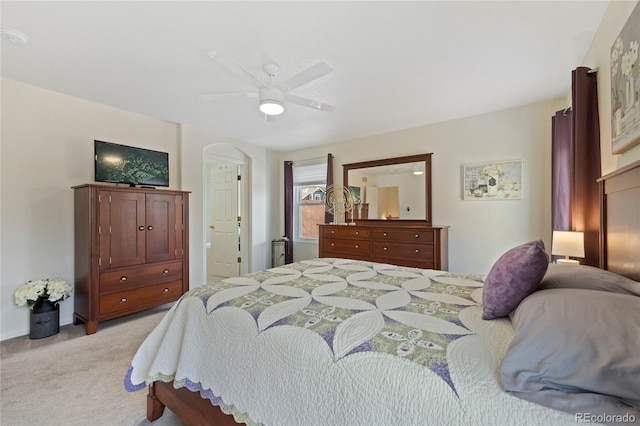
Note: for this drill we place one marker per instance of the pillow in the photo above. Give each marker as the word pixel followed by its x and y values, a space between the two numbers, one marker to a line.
pixel 588 278
pixel 512 278
pixel 571 344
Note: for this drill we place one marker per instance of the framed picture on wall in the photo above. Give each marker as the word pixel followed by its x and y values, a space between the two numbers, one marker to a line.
pixel 497 180
pixel 625 86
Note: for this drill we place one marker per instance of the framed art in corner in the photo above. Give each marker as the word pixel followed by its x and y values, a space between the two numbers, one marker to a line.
pixel 497 180
pixel 625 86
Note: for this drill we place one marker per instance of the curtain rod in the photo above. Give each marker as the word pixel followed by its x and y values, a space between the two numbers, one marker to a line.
pixel 311 159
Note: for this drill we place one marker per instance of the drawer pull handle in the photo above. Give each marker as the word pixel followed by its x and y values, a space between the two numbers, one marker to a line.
pixel 140 228
pixel 123 300
pixel 123 278
pixel 357 246
pixel 384 234
pixel 385 249
pixel 166 271
pixel 150 228
pixel 417 250
pixel 166 290
pixel 417 235
pixel 357 232
pixel 333 244
pixel 333 232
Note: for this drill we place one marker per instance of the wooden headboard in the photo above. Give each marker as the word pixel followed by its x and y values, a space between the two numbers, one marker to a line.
pixel 620 216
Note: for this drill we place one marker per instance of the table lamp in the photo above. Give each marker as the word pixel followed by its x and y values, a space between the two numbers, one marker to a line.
pixel 568 243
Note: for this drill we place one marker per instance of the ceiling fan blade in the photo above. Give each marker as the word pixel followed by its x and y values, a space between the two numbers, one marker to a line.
pixel 304 77
pixel 309 103
pixel 226 61
pixel 225 96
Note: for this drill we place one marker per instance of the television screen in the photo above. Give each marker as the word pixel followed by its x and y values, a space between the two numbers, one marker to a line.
pixel 127 164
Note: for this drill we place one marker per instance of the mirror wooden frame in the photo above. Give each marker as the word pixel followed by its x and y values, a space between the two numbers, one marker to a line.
pixel 391 161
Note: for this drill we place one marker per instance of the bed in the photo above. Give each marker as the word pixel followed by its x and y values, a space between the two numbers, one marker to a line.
pixel 339 341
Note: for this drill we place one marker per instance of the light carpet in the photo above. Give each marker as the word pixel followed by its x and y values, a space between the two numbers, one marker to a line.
pixel 75 379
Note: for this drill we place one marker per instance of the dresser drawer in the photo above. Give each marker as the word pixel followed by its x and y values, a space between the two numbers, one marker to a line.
pixel 345 231
pixel 411 263
pixel 354 246
pixel 419 235
pixel 124 302
pixel 420 252
pixel 132 278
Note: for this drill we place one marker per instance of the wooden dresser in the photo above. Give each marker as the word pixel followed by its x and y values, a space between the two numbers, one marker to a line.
pixel 405 243
pixel 131 250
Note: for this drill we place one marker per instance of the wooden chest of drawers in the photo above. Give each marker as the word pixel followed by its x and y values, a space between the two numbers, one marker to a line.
pixel 131 250
pixel 396 242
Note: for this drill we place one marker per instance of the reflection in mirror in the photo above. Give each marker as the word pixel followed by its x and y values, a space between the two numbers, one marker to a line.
pixel 391 189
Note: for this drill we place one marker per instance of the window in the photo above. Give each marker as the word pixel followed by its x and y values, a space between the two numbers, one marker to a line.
pixel 309 184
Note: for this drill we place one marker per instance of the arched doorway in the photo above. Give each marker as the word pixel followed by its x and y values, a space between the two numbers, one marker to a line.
pixel 226 191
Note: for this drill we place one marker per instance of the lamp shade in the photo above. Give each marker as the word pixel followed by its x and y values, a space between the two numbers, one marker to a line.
pixel 568 243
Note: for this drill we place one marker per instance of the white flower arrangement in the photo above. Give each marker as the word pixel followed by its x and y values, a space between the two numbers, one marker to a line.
pixel 623 64
pixel 53 290
pixel 491 170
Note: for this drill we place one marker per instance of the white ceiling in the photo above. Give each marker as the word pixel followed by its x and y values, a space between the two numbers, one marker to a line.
pixel 396 64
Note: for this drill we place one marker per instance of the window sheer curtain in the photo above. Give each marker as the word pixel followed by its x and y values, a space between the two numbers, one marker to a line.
pixel 576 164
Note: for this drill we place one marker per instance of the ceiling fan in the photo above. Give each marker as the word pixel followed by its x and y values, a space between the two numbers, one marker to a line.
pixel 272 94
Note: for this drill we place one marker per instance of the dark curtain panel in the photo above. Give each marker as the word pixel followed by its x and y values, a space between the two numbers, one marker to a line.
pixel 561 174
pixel 288 211
pixel 585 211
pixel 328 217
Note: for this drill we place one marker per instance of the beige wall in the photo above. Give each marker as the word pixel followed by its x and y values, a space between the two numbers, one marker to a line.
pixel 261 174
pixel 598 56
pixel 47 147
pixel 480 230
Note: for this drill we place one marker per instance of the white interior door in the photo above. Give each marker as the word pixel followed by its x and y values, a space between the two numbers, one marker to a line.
pixel 224 252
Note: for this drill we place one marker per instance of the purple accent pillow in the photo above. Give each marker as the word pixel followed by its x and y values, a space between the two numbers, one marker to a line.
pixel 512 278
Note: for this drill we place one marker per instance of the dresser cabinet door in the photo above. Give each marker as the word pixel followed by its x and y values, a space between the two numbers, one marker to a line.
pixel 122 229
pixel 136 228
pixel 161 227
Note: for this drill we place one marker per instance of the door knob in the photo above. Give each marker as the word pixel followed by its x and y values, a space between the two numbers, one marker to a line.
pixel 211 226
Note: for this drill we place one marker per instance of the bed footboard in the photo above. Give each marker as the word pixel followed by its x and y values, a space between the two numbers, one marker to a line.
pixel 187 405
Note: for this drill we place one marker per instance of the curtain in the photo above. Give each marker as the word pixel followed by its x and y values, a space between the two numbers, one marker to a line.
pixel 576 165
pixel 585 211
pixel 328 217
pixel 561 174
pixel 288 212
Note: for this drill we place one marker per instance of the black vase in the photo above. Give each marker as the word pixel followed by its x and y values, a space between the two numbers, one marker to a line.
pixel 45 319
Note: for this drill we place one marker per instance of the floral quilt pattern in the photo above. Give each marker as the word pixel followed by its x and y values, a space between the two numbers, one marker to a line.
pixel 357 306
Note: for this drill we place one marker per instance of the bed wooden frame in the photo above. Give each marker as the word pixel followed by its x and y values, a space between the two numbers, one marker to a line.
pixel 619 248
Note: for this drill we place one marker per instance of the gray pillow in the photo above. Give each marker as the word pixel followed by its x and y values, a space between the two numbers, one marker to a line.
pixel 588 278
pixel 575 343
pixel 514 276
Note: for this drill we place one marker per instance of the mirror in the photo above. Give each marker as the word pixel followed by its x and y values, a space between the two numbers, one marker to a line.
pixel 391 189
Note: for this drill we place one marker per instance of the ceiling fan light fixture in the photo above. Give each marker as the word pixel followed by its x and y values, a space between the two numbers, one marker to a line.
pixel 271 107
pixel 271 101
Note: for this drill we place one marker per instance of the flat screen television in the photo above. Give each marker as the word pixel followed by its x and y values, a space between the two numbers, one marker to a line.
pixel 128 164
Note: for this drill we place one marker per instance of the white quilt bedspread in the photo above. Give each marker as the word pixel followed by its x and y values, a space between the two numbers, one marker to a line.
pixel 340 342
